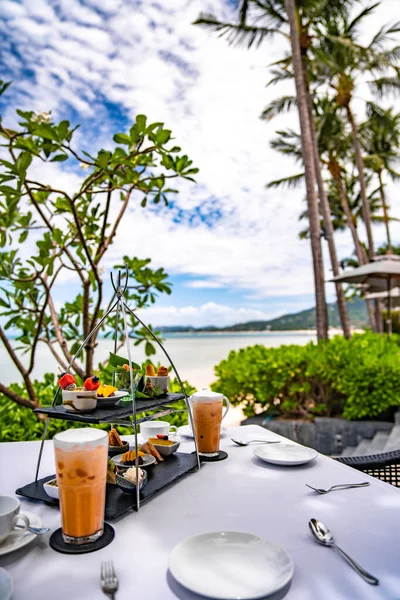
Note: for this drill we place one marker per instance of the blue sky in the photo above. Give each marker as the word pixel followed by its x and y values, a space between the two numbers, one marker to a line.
pixel 230 246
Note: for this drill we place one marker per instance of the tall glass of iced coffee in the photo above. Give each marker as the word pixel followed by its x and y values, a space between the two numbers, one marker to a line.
pixel 208 413
pixel 81 466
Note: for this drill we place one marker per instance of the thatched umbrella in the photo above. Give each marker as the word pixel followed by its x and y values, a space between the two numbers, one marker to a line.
pixel 383 273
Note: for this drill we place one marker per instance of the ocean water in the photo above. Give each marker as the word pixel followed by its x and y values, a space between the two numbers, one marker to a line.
pixel 194 355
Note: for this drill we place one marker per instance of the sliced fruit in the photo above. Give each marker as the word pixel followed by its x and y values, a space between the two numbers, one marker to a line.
pixel 106 390
pixel 66 380
pixel 92 384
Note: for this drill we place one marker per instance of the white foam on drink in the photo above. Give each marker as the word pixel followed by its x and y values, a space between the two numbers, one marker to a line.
pixel 86 435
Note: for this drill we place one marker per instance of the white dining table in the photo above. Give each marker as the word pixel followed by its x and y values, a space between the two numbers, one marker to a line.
pixel 241 493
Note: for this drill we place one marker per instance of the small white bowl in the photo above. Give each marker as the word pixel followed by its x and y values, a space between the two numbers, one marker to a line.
pixel 79 400
pixel 161 381
pixel 52 490
pixel 167 450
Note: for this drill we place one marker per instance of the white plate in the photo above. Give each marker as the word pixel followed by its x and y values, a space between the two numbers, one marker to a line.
pixel 187 432
pixel 19 538
pixel 231 565
pixel 147 461
pixel 115 396
pixel 285 454
pixel 6 585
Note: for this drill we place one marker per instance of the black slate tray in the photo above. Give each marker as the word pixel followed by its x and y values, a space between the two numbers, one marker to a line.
pixel 109 414
pixel 117 502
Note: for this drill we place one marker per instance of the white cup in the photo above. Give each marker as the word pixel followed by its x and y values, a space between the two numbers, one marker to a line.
pixel 152 428
pixel 9 517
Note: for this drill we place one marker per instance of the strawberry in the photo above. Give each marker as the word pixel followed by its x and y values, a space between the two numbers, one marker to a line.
pixel 92 383
pixel 161 436
pixel 66 380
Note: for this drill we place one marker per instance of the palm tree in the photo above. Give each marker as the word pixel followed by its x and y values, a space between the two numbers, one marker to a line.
pixel 380 139
pixel 278 21
pixel 341 61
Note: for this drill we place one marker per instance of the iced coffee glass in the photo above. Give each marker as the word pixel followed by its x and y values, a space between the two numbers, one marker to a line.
pixel 81 467
pixel 208 413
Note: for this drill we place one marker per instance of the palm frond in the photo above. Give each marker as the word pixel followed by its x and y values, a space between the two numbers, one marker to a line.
pixel 279 75
pixel 385 85
pixel 361 15
pixel 278 106
pixel 236 34
pixel 384 35
pixel 244 7
pixel 291 182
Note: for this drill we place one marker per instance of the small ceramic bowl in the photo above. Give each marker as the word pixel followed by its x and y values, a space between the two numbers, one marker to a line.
pixel 52 490
pixel 167 450
pixel 127 486
pixel 160 381
pixel 115 450
pixel 79 400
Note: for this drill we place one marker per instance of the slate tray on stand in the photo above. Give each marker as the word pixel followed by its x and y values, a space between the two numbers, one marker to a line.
pixel 108 414
pixel 117 502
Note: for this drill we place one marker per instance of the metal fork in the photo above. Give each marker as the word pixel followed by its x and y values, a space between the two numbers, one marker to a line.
pixel 343 486
pixel 108 579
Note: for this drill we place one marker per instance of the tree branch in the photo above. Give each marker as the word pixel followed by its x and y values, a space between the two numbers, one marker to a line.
pixel 60 338
pixel 25 375
pixel 17 398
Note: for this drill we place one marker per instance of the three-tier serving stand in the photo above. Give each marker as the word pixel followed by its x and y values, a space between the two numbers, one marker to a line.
pixel 159 477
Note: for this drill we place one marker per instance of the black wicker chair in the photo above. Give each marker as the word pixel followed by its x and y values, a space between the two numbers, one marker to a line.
pixel 385 466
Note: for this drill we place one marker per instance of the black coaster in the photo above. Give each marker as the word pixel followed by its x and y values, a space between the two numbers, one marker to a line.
pixel 58 544
pixel 221 456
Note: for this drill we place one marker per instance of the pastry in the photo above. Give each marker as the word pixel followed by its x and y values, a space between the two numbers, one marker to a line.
pixel 162 371
pixel 129 457
pixel 149 448
pixel 114 439
pixel 150 371
pixel 111 468
pixel 160 442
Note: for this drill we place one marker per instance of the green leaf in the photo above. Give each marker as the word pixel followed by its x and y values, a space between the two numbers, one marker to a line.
pixel 45 131
pixel 141 123
pixel 59 158
pixel 117 361
pixel 149 349
pixel 122 138
pixel 23 236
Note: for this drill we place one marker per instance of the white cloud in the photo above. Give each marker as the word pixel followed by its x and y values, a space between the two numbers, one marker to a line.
pixel 203 284
pixel 209 313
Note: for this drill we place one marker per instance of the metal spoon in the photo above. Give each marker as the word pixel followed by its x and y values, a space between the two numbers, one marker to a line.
pixel 241 443
pixel 324 537
pixel 37 530
pixel 342 486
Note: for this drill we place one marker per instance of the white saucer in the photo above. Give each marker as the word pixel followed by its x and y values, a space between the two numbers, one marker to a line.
pixel 231 565
pixel 186 431
pixel 19 538
pixel 6 585
pixel 285 454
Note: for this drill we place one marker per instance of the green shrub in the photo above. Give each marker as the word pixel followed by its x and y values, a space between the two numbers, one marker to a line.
pixel 19 423
pixel 357 378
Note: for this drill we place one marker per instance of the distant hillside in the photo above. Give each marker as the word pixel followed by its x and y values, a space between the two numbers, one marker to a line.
pixel 304 319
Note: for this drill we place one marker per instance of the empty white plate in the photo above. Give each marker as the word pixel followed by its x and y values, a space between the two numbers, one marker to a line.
pixel 231 565
pixel 186 431
pixel 285 454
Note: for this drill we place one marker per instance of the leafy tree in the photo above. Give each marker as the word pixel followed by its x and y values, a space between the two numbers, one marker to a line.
pixel 68 233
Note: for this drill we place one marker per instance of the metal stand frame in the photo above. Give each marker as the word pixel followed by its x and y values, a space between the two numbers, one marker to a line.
pixel 122 308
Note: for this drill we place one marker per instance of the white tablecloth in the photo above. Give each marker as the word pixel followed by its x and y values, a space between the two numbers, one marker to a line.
pixel 240 493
